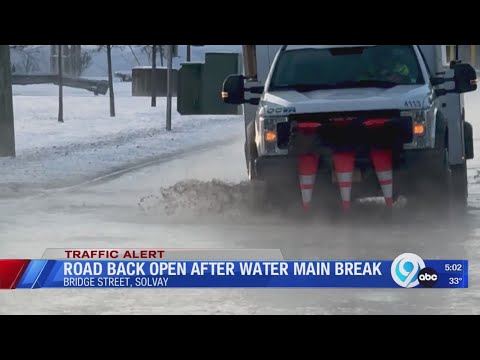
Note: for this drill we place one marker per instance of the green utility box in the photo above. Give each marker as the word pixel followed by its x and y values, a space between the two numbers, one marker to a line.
pixel 189 89
pixel 142 81
pixel 200 85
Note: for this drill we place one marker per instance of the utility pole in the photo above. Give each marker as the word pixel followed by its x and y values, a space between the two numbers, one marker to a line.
pixel 153 79
pixel 60 84
pixel 189 53
pixel 169 87
pixel 7 128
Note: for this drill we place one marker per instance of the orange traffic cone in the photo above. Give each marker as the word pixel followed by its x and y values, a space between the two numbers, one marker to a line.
pixel 344 163
pixel 382 162
pixel 307 170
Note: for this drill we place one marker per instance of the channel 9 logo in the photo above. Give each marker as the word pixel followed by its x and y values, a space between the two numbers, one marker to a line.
pixel 409 271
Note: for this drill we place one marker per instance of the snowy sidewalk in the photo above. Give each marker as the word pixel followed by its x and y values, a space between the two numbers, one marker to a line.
pixel 90 143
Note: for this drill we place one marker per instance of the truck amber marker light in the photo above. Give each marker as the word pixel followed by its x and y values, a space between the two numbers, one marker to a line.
pixel 270 136
pixel 419 129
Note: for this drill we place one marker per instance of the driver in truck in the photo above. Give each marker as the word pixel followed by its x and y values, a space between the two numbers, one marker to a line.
pixel 394 67
pixel 399 71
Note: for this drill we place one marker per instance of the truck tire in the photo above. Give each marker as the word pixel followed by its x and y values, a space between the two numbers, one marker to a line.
pixel 250 150
pixel 266 193
pixel 459 187
pixel 431 173
pixel 469 148
pixel 257 189
pixel 458 190
pixel 257 196
pixel 441 187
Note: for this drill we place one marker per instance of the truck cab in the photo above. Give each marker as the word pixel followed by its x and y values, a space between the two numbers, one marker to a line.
pixel 320 100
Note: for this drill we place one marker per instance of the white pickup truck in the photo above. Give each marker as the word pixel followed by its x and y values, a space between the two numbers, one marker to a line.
pixel 342 104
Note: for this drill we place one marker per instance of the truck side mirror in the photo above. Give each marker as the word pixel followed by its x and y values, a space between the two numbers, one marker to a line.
pixel 465 78
pixel 437 81
pixel 233 90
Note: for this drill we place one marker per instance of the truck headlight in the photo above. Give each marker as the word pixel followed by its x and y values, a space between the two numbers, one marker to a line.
pixel 267 134
pixel 268 127
pixel 423 127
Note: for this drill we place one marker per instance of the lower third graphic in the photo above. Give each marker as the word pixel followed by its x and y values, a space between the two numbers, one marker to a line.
pixel 405 270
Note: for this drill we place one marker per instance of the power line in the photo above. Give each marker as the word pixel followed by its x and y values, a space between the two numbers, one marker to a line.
pixel 135 56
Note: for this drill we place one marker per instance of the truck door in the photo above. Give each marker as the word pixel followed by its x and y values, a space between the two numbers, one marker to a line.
pixel 451 105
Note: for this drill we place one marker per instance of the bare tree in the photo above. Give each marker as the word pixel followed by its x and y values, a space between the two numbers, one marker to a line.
pixel 161 56
pixel 60 84
pixel 148 49
pixel 7 128
pixel 108 49
pixel 26 59
pixel 85 61
pixel 134 55
pixel 153 79
pixel 170 52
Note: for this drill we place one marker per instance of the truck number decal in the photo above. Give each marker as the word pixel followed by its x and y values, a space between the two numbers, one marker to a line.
pixel 414 103
pixel 282 110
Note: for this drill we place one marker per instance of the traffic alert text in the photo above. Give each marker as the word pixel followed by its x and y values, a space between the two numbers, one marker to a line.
pixel 157 273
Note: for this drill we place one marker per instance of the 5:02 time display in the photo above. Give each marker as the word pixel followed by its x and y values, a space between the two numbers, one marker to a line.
pixel 454 267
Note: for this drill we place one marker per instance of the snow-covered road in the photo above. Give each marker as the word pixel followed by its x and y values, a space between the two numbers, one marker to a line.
pixel 209 212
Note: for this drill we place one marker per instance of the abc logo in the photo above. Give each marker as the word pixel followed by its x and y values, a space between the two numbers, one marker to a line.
pixel 428 277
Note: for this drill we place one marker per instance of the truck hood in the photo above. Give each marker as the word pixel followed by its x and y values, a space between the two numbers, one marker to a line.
pixel 404 97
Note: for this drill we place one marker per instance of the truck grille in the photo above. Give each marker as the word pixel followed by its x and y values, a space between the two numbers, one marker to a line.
pixel 349 128
pixel 327 117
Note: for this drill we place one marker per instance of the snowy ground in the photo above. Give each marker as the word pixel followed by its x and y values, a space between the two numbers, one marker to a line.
pixel 196 201
pixel 90 143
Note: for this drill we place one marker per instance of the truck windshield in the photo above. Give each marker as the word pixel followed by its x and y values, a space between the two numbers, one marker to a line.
pixel 312 69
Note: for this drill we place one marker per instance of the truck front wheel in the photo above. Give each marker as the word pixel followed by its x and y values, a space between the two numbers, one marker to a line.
pixel 459 186
pixel 437 185
pixel 250 150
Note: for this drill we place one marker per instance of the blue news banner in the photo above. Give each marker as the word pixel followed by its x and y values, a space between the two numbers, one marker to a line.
pixel 400 273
